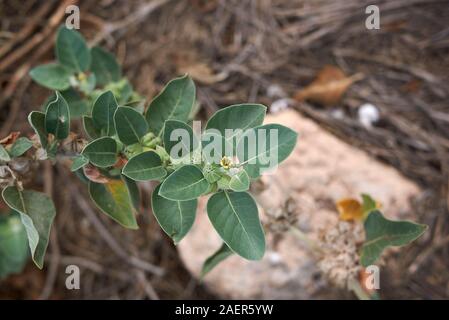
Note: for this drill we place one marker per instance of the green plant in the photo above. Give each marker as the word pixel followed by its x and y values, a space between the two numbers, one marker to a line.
pixel 14 251
pixel 126 143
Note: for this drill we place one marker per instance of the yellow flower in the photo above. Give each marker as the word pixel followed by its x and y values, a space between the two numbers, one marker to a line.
pixel 226 162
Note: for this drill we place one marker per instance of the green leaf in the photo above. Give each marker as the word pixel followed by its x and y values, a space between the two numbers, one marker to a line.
pixel 4 155
pixel 215 147
pixel 104 66
pixel 79 162
pixel 218 256
pixel 101 152
pixel 114 199
pixel 179 138
pixel 36 213
pixel 37 122
pixel 144 166
pixel 239 116
pixel 89 127
pixel 57 118
pixel 369 204
pixel 20 146
pixel 122 90
pixel 130 125
pixel 175 217
pixel 235 217
pixel 211 173
pixel 382 233
pixel 52 76
pixel 239 181
pixel 77 105
pixel 186 183
pixel 258 149
pixel 103 113
pixel 14 251
pixel 133 190
pixel 71 50
pixel 223 182
pixel 174 103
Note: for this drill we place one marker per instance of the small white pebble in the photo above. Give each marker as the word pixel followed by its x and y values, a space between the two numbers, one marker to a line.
pixel 279 105
pixel 368 115
pixel 275 91
pixel 274 258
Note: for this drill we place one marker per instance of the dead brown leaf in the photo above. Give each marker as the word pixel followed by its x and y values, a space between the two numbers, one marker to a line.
pixel 328 87
pixel 10 139
pixel 92 173
pixel 201 72
pixel 350 209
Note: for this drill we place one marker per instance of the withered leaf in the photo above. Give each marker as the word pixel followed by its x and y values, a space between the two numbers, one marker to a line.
pixel 328 87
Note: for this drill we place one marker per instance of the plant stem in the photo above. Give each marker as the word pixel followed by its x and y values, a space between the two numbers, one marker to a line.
pixel 304 238
pixel 355 286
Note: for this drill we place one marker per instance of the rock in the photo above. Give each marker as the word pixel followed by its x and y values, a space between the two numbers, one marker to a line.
pixel 321 170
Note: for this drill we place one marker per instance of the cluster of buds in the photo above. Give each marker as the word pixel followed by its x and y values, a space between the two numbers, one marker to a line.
pixel 149 143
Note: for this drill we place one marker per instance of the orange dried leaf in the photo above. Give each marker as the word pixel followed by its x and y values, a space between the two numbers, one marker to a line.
pixel 201 72
pixel 10 139
pixel 350 209
pixel 328 87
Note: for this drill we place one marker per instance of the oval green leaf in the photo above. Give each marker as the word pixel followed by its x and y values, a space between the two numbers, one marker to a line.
pixel 134 191
pixel 240 181
pixel 265 147
pixel 114 199
pixel 14 251
pixel 175 102
pixel 20 146
pixel 57 117
pixel 77 105
pixel 175 217
pixel 239 116
pixel 103 113
pixel 71 50
pixel 79 162
pixel 101 152
pixel 179 138
pixel 37 122
pixel 130 125
pixel 89 128
pixel 186 183
pixel 144 166
pixel 36 213
pixel 104 66
pixel 235 217
pixel 4 155
pixel 52 76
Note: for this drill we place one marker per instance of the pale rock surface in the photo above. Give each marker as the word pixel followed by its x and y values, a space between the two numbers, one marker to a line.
pixel 321 170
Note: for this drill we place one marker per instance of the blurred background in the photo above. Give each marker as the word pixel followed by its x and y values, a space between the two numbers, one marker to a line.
pixel 282 53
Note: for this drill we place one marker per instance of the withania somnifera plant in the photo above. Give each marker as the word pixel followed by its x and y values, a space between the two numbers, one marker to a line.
pixel 125 143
